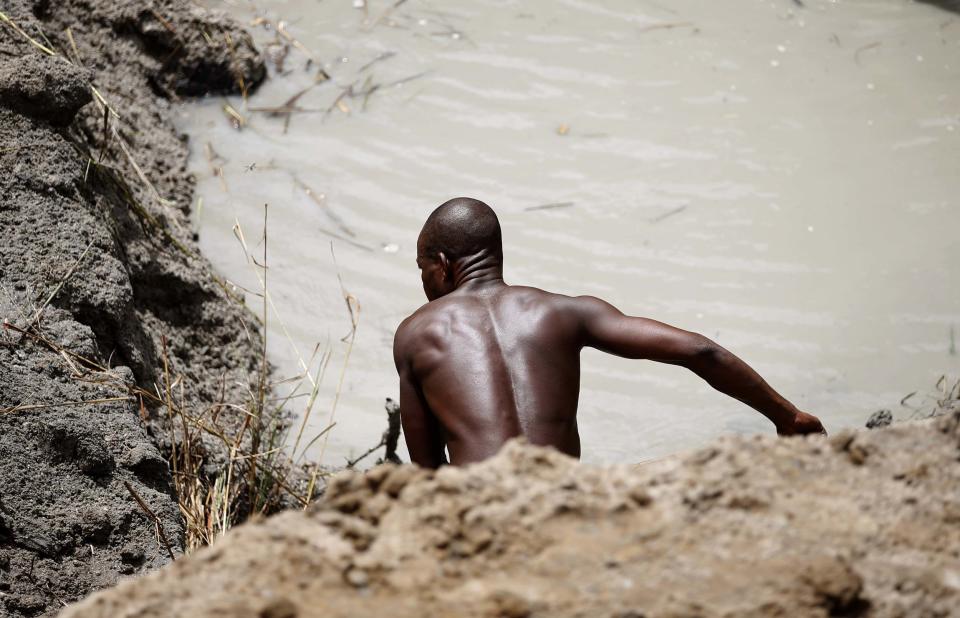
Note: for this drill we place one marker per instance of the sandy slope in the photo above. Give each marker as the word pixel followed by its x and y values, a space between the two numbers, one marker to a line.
pixel 860 524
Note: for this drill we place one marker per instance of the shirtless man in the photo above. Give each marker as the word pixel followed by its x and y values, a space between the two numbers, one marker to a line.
pixel 484 361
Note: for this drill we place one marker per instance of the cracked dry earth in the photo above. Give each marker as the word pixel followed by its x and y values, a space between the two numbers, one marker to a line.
pixel 858 524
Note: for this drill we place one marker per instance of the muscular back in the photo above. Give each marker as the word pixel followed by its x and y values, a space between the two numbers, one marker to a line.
pixel 490 365
pixel 484 362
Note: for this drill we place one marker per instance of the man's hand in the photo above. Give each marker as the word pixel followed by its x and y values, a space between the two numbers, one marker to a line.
pixel 801 424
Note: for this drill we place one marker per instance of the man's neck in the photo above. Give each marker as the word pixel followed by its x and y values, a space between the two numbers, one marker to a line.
pixel 478 272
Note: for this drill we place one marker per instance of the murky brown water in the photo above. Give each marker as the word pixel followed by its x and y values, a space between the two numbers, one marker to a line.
pixel 782 179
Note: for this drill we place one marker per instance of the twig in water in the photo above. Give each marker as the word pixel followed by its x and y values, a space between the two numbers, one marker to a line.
pixel 389 439
pixel 392 434
pixel 156 520
pixel 367 90
pixel 236 118
pixel 281 29
pixel 860 50
pixel 349 241
pixel 550 206
pixel 668 214
pixel 320 200
pixel 213 158
pixel 338 102
pixel 404 80
pixel 384 56
pixel 386 13
pixel 666 26
pixel 288 108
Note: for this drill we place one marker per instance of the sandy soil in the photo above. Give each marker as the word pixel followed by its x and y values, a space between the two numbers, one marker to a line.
pixel 102 263
pixel 859 524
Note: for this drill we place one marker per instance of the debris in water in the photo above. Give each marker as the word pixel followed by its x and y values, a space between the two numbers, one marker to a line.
pixel 668 214
pixel 320 200
pixel 338 102
pixel 386 13
pixel 276 53
pixel 281 29
pixel 216 165
pixel 287 109
pixel 237 121
pixel 389 439
pixel 880 418
pixel 384 56
pixel 668 26
pixel 345 239
pixel 550 206
pixel 860 50
pixel 404 80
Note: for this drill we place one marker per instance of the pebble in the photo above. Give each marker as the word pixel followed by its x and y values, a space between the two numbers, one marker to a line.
pixel 357 578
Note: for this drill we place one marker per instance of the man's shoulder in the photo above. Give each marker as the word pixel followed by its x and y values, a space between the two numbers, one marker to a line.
pixel 545 298
pixel 426 318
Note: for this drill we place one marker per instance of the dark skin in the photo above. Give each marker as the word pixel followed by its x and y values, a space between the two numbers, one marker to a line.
pixel 484 362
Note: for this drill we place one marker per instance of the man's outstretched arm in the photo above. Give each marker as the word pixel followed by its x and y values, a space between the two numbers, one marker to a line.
pixel 607 329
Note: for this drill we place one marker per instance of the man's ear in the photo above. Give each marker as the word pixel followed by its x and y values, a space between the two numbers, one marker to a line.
pixel 445 265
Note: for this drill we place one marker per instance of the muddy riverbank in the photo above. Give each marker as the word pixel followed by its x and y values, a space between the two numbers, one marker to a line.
pixel 102 288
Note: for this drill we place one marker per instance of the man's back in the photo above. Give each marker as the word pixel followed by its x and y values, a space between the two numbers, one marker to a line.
pixel 497 363
pixel 484 362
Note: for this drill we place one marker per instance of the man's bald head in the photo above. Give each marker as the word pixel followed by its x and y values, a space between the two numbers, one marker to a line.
pixel 462 227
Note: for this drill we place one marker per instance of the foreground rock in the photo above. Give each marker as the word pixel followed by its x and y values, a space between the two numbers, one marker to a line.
pixel 860 524
pixel 98 268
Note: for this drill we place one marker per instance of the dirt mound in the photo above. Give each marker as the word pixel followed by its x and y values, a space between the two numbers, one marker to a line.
pixel 98 273
pixel 860 524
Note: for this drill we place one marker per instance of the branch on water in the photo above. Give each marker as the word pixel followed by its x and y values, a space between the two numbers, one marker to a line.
pixel 390 438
